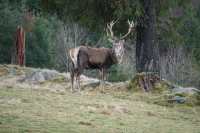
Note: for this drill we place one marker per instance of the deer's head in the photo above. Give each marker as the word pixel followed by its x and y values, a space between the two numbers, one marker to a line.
pixel 118 42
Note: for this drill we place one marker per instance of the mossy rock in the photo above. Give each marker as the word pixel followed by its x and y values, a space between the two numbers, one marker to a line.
pixel 165 100
pixel 134 84
pixel 11 69
pixel 3 71
pixel 170 99
pixel 161 86
pixel 192 99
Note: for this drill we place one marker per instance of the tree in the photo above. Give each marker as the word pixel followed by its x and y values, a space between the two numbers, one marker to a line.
pixel 150 31
pixel 145 58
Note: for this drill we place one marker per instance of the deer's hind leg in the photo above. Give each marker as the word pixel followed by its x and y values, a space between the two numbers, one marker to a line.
pixel 78 82
pixel 72 74
pixel 78 78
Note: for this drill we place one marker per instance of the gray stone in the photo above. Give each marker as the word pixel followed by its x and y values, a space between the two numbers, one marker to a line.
pixel 40 76
pixel 188 90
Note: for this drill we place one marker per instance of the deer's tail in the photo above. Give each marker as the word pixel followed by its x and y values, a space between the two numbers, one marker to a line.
pixel 74 56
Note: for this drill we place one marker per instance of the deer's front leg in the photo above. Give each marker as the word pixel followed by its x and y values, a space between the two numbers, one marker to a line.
pixel 104 75
pixel 101 78
pixel 102 82
pixel 78 83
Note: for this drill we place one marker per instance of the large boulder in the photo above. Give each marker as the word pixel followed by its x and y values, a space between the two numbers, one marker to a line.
pixel 41 75
pixel 187 95
pixel 188 90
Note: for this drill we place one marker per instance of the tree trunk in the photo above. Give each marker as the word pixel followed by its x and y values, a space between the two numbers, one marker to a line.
pixel 145 54
pixel 18 56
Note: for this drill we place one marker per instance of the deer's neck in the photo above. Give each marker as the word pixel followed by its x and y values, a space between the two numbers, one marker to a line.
pixel 114 56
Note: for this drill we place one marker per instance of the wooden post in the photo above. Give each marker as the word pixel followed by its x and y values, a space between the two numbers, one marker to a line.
pixel 20 46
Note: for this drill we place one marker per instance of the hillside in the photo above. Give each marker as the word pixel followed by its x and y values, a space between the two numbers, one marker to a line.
pixel 45 104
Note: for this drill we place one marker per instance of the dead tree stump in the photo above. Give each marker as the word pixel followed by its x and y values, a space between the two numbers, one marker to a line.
pixel 145 81
pixel 19 47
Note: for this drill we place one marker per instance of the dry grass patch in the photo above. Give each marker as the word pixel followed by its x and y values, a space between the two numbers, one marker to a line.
pixel 46 111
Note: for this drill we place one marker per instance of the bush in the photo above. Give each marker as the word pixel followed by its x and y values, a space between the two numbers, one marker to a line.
pixel 41 43
pixel 40 40
pixel 11 17
pixel 117 74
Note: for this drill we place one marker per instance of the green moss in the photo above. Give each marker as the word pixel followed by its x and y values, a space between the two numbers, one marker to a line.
pixel 134 85
pixel 160 87
pixel 193 100
pixel 170 99
pixel 165 100
pixel 134 82
pixel 59 79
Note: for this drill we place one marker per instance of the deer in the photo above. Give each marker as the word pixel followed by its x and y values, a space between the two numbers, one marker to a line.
pixel 85 57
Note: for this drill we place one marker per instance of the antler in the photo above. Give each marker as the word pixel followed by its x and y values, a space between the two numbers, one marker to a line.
pixel 109 29
pixel 131 25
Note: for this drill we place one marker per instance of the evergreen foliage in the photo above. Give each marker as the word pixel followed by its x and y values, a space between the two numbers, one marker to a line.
pixel 177 23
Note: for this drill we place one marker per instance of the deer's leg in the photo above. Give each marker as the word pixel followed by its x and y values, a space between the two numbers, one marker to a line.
pixel 72 82
pixel 100 75
pixel 102 79
pixel 104 75
pixel 78 74
pixel 75 80
pixel 78 83
pixel 72 74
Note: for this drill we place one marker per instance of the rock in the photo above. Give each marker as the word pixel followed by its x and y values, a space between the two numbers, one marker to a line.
pixel 40 75
pixel 28 76
pixel 188 95
pixel 179 99
pixel 188 90
pixel 3 71
pixel 11 70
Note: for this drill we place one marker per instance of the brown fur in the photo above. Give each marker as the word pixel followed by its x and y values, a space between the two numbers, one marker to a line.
pixel 96 58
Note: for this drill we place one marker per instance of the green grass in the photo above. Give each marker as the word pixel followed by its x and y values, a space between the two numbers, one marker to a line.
pixel 27 110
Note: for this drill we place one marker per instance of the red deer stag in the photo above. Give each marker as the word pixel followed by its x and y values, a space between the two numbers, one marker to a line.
pixel 85 57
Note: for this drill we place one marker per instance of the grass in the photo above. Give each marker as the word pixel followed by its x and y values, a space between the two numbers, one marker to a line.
pixel 28 110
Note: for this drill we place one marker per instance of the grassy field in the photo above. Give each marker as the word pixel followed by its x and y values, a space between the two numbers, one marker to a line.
pixel 28 110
